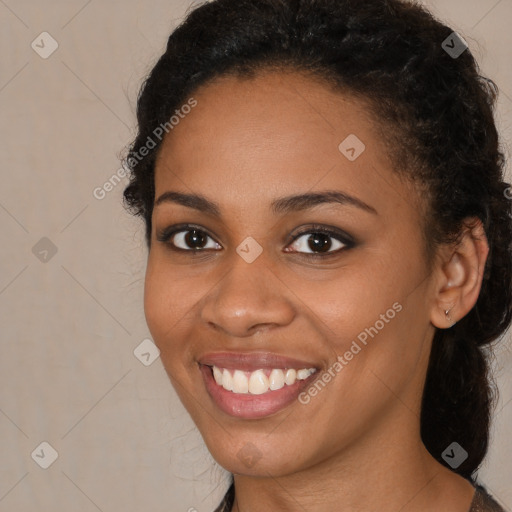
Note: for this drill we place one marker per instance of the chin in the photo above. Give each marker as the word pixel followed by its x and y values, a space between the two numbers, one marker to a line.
pixel 257 459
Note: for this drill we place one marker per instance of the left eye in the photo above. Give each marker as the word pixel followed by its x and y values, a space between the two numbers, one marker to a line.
pixel 318 243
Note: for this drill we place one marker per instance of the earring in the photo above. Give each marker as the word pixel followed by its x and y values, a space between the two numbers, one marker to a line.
pixel 447 311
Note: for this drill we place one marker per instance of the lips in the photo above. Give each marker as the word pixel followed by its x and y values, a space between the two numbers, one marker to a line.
pixel 248 405
pixel 253 361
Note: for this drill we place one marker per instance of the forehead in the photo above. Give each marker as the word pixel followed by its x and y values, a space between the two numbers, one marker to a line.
pixel 272 135
pixel 285 109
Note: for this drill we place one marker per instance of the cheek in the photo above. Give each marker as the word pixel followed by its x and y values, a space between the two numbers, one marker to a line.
pixel 354 298
pixel 371 313
pixel 171 298
pixel 156 302
pixel 168 296
pixel 166 303
pixel 380 343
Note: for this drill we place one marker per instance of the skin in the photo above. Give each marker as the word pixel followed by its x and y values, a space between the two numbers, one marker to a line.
pixel 356 445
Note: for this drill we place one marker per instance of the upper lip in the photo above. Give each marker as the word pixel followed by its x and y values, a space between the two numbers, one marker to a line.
pixel 251 361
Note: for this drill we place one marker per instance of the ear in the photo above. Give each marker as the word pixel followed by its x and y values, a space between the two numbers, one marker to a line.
pixel 459 272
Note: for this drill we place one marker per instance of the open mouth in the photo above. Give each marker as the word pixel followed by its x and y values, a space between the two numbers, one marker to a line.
pixel 259 381
pixel 255 394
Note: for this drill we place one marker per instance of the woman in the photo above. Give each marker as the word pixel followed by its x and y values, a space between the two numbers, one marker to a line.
pixel 329 250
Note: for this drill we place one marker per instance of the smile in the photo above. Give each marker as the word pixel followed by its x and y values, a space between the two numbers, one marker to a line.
pixel 254 385
pixel 259 381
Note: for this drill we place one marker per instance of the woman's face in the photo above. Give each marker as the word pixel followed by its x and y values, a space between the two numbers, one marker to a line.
pixel 267 289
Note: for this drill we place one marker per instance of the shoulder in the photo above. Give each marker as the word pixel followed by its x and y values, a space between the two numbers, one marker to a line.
pixel 484 502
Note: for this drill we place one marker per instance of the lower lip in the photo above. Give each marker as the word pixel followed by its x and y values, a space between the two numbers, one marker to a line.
pixel 248 406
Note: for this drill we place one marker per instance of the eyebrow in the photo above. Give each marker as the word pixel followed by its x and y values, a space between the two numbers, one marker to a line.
pixel 280 206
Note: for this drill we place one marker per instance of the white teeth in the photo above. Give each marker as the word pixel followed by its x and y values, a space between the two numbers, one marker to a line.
pixel 257 382
pixel 290 377
pixel 227 380
pixel 217 374
pixel 304 373
pixel 240 382
pixel 276 379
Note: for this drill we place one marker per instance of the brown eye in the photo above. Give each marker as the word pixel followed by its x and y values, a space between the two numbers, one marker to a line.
pixel 318 243
pixel 187 238
pixel 192 239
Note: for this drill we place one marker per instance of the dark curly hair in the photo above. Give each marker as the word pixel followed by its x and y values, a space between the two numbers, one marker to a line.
pixel 434 110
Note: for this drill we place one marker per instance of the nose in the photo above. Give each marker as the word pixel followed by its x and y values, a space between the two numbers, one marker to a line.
pixel 248 298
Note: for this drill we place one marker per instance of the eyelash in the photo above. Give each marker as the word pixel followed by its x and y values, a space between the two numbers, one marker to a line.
pixel 165 236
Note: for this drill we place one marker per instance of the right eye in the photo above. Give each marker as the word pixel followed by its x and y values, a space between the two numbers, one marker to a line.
pixel 187 239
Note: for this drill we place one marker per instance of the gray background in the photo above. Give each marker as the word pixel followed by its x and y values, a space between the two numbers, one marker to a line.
pixel 70 321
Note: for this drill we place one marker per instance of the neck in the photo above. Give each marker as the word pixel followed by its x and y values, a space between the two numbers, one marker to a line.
pixel 389 473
